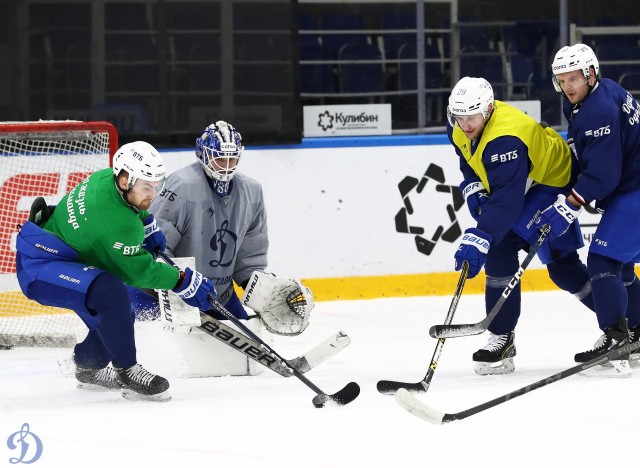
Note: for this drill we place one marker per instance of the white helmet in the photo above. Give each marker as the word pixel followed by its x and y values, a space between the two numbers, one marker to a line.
pixel 219 140
pixel 470 96
pixel 575 57
pixel 141 161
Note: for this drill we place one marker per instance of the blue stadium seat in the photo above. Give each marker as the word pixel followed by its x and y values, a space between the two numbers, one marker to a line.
pixel 522 69
pixel 307 23
pixel 341 22
pixel 615 50
pixel 407 72
pixel 360 77
pixel 491 67
pixel 393 41
pixel 631 82
pixel 316 78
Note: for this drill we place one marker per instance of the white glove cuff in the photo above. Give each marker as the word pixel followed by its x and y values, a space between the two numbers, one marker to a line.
pixel 478 242
pixel 473 187
pixel 151 228
pixel 566 210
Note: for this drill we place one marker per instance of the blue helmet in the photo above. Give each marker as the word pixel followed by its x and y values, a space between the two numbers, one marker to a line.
pixel 219 149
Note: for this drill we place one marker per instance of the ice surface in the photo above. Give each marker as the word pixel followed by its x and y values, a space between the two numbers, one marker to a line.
pixel 269 421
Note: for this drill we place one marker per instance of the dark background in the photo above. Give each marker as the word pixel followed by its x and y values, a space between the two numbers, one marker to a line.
pixel 164 69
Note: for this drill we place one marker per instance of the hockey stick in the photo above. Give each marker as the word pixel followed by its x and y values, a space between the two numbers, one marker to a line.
pixel 251 349
pixel 456 330
pixel 389 387
pixel 344 396
pixel 419 409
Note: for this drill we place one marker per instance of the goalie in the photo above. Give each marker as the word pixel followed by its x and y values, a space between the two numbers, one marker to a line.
pixel 209 211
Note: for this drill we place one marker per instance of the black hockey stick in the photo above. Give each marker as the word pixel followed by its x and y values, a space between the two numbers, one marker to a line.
pixel 349 393
pixel 389 387
pixel 456 330
pixel 419 409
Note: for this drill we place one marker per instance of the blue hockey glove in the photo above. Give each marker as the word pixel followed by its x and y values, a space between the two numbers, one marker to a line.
pixel 195 289
pixel 154 239
pixel 475 195
pixel 473 248
pixel 559 216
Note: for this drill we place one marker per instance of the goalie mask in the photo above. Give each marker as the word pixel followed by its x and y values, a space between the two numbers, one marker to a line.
pixel 219 149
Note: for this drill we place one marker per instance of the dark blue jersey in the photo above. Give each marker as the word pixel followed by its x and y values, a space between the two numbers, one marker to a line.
pixel 605 132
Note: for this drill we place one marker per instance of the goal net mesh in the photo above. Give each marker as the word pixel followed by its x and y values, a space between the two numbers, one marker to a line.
pixel 41 159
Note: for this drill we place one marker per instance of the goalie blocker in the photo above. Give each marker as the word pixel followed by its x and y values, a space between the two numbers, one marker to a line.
pixel 283 305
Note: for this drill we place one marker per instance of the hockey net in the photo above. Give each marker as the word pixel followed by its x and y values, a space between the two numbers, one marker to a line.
pixel 41 159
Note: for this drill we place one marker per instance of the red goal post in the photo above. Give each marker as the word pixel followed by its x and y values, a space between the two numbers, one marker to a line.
pixel 41 159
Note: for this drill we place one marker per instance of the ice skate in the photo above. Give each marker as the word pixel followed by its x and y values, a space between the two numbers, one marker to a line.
pixel 497 356
pixel 97 379
pixel 634 336
pixel 613 337
pixel 139 384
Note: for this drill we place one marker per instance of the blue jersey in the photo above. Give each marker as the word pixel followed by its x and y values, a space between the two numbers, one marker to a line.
pixel 604 131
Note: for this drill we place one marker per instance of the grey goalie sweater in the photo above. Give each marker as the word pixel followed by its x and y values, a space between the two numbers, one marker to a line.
pixel 226 235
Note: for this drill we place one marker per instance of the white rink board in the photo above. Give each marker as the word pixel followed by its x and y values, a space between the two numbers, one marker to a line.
pixel 331 211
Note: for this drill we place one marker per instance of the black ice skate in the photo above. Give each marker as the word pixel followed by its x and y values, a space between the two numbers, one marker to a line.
pixel 497 356
pixel 634 335
pixel 614 336
pixel 139 384
pixel 97 379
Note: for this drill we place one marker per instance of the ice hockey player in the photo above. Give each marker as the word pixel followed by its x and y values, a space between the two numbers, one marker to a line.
pixel 513 168
pixel 604 132
pixel 80 256
pixel 210 211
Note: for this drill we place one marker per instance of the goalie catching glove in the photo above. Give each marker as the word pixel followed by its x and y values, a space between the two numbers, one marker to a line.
pixel 283 305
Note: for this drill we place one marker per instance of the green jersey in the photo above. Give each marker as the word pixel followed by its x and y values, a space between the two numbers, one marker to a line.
pixel 108 234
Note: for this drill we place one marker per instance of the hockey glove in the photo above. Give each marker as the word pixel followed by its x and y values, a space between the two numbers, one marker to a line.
pixel 283 305
pixel 475 195
pixel 559 216
pixel 473 248
pixel 154 239
pixel 195 289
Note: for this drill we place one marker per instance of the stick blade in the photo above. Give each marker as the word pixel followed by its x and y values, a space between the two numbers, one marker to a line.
pixel 414 406
pixel 345 396
pixel 455 331
pixel 323 351
pixel 390 387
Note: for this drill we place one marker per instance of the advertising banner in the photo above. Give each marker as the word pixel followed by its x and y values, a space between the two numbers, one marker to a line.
pixel 347 120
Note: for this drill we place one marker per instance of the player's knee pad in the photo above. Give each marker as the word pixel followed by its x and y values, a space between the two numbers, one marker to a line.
pixel 108 294
pixel 570 274
pixel 628 273
pixel 609 294
pixel 601 267
pixel 502 259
